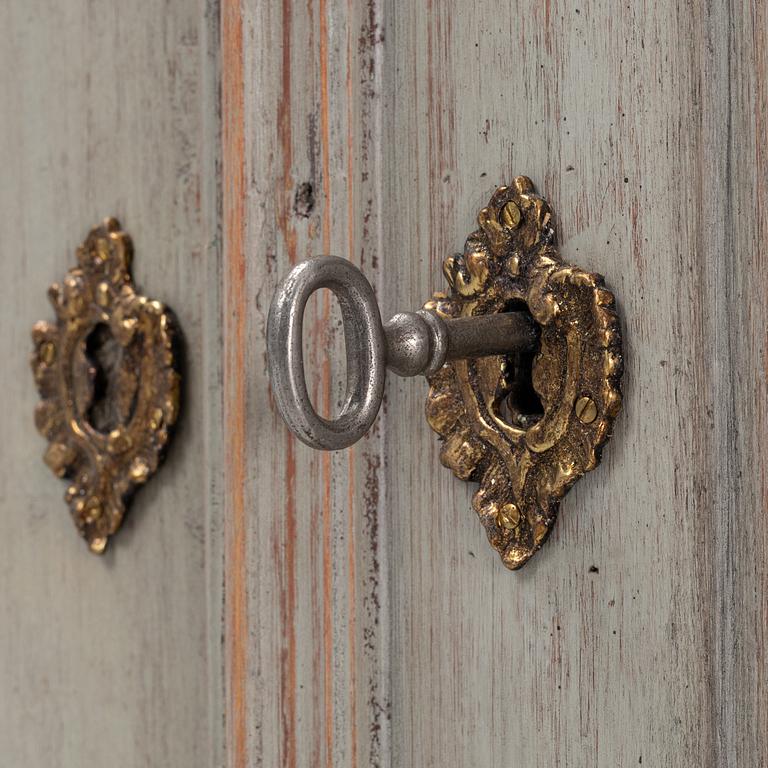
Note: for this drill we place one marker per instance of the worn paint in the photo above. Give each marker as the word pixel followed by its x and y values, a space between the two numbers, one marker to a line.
pixel 235 399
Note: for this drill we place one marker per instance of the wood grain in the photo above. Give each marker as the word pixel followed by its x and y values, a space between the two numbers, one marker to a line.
pixel 639 632
pixel 234 401
pixel 111 109
pixel 366 620
pixel 638 635
pixel 315 649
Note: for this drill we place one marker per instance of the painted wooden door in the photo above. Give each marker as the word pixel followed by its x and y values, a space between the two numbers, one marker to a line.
pixel 268 605
pixel 110 109
pixel 368 621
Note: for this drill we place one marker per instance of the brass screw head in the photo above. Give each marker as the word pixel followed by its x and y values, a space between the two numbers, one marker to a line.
pixel 508 517
pixel 511 215
pixel 586 410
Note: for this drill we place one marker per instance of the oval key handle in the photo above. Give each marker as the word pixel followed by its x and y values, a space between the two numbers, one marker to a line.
pixel 523 355
pixel 409 344
pixel 364 338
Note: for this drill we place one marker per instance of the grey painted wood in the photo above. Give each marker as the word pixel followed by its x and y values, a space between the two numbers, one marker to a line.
pixel 638 634
pixel 110 109
pixel 314 648
pixel 377 627
pixel 639 631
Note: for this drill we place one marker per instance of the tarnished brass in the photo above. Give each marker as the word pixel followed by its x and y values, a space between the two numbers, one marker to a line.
pixel 107 374
pixel 526 427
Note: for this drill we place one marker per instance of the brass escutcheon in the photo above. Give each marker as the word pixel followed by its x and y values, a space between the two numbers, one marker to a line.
pixel 107 373
pixel 523 358
pixel 526 426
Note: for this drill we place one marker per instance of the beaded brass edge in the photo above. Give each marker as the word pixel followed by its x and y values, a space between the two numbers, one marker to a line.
pixel 524 463
pixel 104 466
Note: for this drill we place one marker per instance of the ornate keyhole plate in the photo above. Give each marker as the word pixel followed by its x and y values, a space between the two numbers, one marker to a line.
pixel 107 373
pixel 526 441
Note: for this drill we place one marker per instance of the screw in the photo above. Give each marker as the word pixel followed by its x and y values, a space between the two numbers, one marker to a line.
pixel 511 216
pixel 508 517
pixel 586 410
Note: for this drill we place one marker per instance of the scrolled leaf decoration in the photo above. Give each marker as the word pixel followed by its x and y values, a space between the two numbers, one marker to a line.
pixel 107 373
pixel 526 443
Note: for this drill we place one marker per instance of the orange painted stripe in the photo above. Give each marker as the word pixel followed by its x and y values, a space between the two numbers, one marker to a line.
pixel 235 306
pixel 326 393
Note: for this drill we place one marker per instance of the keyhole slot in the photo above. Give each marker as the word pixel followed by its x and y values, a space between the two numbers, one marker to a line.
pixel 114 384
pixel 522 406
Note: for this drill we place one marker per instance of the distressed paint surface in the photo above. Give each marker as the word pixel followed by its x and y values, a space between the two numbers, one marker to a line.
pixel 111 109
pixel 638 634
pixel 365 620
pixel 306 630
pixel 639 631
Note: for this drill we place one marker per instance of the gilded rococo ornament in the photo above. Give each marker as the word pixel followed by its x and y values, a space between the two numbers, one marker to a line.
pixel 107 373
pixel 527 426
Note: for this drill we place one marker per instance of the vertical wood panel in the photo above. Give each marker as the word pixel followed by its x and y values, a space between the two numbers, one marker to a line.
pixel 367 621
pixel 315 686
pixel 234 401
pixel 111 109
pixel 742 658
pixel 382 630
pixel 639 630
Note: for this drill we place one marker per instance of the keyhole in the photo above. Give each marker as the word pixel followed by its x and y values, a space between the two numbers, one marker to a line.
pixel 522 406
pixel 114 390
